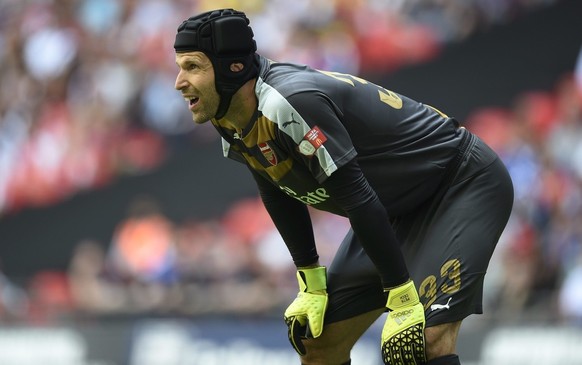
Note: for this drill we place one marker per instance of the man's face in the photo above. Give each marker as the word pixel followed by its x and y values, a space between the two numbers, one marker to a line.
pixel 195 81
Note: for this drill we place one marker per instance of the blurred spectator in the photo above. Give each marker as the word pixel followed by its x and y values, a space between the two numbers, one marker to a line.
pixel 564 139
pixel 247 219
pixel 50 297
pixel 570 295
pixel 142 254
pixel 92 291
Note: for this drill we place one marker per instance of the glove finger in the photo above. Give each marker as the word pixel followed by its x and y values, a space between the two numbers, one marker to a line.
pixel 403 349
pixel 295 332
pixel 392 356
pixel 419 351
pixel 308 332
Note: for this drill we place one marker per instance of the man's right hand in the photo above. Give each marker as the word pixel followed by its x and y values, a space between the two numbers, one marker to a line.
pixel 304 317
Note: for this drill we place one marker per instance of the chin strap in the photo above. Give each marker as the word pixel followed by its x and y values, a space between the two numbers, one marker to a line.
pixel 229 82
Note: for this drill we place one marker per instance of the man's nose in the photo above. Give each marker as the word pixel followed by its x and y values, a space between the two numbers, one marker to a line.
pixel 180 81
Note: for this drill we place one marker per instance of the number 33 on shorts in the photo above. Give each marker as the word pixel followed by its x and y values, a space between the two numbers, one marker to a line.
pixel 451 272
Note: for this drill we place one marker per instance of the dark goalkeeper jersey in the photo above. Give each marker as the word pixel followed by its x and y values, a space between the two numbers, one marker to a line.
pixel 310 123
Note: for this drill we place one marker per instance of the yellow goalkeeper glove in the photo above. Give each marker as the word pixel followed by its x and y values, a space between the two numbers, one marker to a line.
pixel 304 317
pixel 403 340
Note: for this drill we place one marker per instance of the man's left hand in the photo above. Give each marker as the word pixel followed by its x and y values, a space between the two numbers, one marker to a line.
pixel 403 340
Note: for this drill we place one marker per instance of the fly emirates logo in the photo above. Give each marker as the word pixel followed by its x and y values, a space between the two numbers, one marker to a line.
pixel 317 196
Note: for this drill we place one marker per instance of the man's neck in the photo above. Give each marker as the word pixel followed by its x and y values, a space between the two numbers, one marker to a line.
pixel 242 106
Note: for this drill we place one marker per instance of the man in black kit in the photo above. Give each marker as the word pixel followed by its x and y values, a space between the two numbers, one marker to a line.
pixel 426 199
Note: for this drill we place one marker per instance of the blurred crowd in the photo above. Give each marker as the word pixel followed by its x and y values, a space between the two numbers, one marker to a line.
pixel 87 85
pixel 87 96
pixel 538 263
pixel 235 264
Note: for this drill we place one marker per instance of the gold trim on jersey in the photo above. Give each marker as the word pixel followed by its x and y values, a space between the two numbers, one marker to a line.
pixel 262 131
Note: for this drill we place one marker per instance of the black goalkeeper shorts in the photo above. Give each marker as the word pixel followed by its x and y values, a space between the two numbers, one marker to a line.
pixel 447 245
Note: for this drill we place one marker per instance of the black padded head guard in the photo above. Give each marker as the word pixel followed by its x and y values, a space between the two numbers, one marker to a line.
pixel 225 37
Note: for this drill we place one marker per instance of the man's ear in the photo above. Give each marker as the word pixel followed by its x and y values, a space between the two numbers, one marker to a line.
pixel 236 67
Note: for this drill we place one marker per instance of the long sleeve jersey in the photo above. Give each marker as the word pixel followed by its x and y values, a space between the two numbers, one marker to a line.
pixel 341 144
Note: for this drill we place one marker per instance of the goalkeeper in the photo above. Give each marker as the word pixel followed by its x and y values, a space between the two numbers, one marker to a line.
pixel 426 199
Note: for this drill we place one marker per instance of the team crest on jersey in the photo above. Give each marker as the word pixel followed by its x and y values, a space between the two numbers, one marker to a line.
pixel 268 152
pixel 312 141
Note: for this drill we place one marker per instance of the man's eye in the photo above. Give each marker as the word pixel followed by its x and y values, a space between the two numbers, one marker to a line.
pixel 192 66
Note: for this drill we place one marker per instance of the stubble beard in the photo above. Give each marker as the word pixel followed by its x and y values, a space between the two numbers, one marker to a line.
pixel 200 118
pixel 204 115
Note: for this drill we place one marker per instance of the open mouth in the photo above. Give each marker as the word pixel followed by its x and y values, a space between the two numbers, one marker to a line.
pixel 192 101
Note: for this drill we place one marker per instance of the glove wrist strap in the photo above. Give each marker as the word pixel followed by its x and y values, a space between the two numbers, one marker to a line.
pixel 402 296
pixel 312 279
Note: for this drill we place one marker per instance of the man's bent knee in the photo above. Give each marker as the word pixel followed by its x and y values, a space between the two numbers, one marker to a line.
pixel 441 340
pixel 334 345
pixel 322 352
